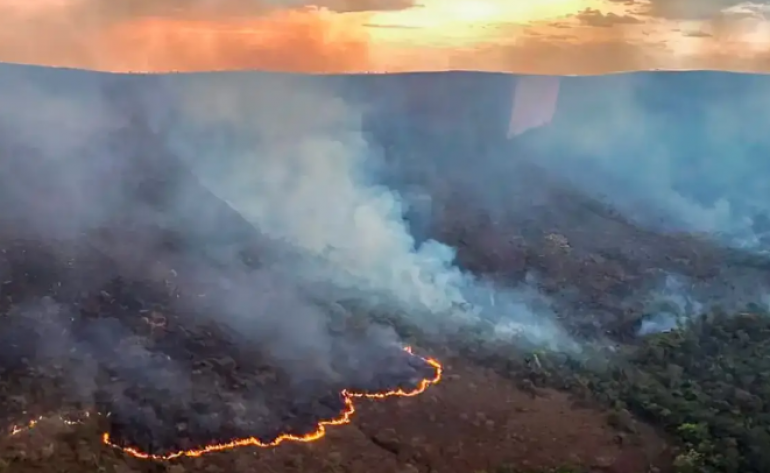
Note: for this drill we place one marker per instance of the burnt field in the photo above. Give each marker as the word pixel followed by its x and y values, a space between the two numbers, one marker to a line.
pixel 164 380
pixel 174 289
pixel 118 321
pixel 88 342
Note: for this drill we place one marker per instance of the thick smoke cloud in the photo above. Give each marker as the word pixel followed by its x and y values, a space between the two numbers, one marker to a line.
pixel 610 177
pixel 113 165
pixel 84 174
pixel 312 179
pixel 678 152
pixel 331 208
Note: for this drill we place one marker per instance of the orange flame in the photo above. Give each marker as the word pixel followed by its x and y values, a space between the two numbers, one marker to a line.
pixel 31 424
pixel 319 432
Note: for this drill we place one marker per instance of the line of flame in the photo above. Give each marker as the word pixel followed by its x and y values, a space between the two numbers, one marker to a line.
pixel 320 431
pixel 31 424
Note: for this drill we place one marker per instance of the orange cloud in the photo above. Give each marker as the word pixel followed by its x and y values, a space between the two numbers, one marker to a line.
pixel 286 41
pixel 161 36
pixel 287 35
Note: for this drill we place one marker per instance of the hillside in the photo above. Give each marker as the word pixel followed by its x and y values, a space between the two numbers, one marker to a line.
pixel 118 242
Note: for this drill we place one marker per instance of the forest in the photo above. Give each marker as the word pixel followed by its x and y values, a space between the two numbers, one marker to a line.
pixel 704 384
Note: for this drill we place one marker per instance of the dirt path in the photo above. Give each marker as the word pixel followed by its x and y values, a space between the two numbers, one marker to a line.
pixel 473 421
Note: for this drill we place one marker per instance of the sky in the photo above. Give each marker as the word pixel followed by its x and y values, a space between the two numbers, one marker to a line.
pixel 340 36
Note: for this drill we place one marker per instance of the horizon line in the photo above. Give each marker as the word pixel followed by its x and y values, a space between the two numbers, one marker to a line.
pixel 373 73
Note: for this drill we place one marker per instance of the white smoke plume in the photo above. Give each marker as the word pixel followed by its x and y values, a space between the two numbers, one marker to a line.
pixel 84 153
pixel 675 152
pixel 289 154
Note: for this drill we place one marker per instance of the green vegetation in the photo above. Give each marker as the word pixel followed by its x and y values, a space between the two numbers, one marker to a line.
pixel 707 385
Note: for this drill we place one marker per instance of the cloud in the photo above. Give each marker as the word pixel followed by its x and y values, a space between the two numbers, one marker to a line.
pixel 697 34
pixel 349 5
pixel 184 35
pixel 593 17
pixel 154 38
pixel 696 9
pixel 589 42
pixel 543 56
pixel 132 9
pixel 294 36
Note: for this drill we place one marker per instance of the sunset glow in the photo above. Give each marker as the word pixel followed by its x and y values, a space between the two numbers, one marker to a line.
pixel 540 37
pixel 465 22
pixel 432 13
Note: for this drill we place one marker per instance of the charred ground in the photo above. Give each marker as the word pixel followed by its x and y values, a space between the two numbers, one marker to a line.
pixel 163 380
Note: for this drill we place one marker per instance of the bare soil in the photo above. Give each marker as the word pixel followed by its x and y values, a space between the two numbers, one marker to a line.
pixel 473 421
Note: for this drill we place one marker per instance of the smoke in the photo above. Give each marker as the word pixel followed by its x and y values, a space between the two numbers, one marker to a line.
pixel 89 195
pixel 306 183
pixel 290 155
pixel 302 176
pixel 676 152
pixel 250 205
pixel 628 178
pixel 669 307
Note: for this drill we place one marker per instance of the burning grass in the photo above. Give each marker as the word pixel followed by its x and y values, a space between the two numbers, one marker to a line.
pixel 165 384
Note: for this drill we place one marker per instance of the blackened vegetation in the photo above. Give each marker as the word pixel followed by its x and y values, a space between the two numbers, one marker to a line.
pixel 598 266
pixel 103 324
pixel 165 380
pixel 706 384
pixel 106 311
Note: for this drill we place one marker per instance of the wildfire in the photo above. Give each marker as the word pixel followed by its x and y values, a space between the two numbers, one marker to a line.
pixel 31 424
pixel 319 432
